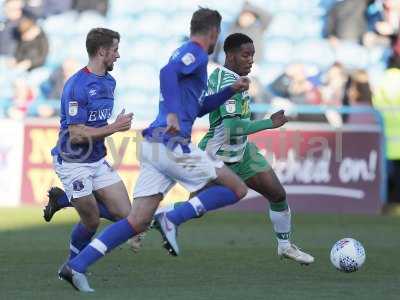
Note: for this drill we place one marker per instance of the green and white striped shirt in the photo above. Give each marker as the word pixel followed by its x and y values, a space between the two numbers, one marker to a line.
pixel 217 140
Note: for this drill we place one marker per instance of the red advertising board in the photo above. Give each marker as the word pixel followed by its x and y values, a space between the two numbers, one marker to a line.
pixel 322 170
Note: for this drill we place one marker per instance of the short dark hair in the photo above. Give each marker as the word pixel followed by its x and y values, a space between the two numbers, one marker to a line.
pixel 203 20
pixel 100 37
pixel 235 40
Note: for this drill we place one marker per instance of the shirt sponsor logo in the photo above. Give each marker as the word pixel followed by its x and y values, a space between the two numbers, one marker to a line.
pixel 100 115
pixel 230 106
pixel 188 59
pixel 73 108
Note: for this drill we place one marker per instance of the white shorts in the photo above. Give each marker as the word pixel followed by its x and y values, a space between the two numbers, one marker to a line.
pixel 161 169
pixel 81 179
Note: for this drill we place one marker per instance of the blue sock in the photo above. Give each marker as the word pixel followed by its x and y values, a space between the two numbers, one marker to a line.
pixel 80 238
pixel 209 199
pixel 63 202
pixel 111 237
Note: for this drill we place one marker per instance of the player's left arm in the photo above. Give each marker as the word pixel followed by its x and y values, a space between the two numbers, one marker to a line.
pixel 212 102
pixel 239 127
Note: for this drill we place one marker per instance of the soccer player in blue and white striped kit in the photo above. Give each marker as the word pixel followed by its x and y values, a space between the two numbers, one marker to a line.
pixel 168 156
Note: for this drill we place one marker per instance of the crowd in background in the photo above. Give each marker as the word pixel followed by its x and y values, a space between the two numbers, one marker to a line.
pixel 25 46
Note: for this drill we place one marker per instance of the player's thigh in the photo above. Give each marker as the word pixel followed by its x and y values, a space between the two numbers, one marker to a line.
pixel 192 170
pixel 75 177
pixel 88 211
pixel 151 181
pixel 227 178
pixel 116 199
pixel 142 212
pixel 267 184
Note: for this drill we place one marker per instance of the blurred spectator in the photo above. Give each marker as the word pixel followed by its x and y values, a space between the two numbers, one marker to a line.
pixel 252 21
pixel 347 21
pixel 332 93
pixel 333 85
pixel 52 88
pixel 8 27
pixel 258 94
pixel 100 6
pixel 383 22
pixel 33 46
pixel 294 85
pixel 386 99
pixel 45 8
pixel 23 97
pixel 359 95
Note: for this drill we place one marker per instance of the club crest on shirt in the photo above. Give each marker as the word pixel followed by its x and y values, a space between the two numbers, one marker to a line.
pixel 188 59
pixel 230 106
pixel 73 108
pixel 78 186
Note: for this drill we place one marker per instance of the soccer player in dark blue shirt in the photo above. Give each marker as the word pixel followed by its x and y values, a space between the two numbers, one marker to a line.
pixel 79 156
pixel 167 154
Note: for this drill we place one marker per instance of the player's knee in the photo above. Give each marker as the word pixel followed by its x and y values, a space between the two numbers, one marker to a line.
pixel 279 196
pixel 139 223
pixel 241 190
pixel 121 214
pixel 91 223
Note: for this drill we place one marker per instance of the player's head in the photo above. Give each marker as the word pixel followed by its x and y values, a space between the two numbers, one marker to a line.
pixel 239 53
pixel 102 44
pixel 206 22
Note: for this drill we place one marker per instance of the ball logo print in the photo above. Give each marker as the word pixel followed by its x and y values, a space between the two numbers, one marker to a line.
pixel 347 255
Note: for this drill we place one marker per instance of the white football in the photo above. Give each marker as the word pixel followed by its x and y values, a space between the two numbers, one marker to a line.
pixel 348 255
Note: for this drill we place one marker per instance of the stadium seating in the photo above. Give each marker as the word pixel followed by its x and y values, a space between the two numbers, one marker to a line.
pixel 152 29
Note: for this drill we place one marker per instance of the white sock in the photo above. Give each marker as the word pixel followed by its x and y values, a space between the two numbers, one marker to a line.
pixel 281 221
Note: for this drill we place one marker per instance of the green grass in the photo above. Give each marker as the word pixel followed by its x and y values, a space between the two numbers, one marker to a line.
pixel 224 256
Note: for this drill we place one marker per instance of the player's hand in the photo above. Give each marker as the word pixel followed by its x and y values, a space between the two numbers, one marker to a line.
pixel 172 124
pixel 123 122
pixel 241 85
pixel 278 119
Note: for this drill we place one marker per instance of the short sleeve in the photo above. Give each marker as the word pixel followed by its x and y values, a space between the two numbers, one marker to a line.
pixel 232 107
pixel 74 100
pixel 189 60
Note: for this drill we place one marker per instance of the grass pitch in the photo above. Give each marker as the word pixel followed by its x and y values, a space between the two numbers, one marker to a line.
pixel 224 256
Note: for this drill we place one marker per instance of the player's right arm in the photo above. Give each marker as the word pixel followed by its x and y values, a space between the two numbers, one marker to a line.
pixel 75 102
pixel 82 134
pixel 183 64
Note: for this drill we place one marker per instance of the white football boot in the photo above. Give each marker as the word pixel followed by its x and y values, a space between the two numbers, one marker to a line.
pixel 293 252
pixel 168 231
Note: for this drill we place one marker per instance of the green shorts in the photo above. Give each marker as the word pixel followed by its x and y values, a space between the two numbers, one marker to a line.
pixel 252 163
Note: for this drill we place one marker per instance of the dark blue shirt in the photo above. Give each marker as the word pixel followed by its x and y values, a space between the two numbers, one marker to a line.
pixel 86 99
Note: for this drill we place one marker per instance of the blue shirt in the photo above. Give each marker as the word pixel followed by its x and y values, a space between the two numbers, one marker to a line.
pixel 86 99
pixel 183 86
pixel 183 89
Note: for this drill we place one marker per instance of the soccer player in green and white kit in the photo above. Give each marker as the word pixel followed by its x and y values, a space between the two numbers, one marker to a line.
pixel 227 139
